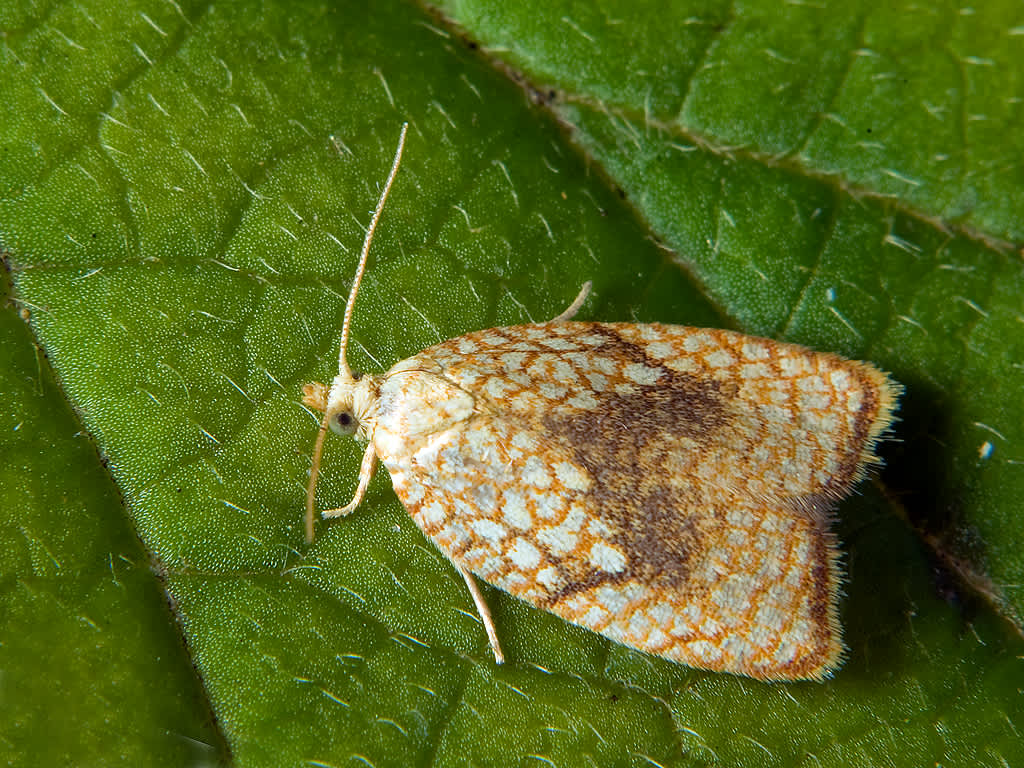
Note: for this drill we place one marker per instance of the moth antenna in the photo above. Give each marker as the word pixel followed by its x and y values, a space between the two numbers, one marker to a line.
pixel 318 450
pixel 343 369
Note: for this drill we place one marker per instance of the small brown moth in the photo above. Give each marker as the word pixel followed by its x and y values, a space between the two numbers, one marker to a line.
pixel 665 486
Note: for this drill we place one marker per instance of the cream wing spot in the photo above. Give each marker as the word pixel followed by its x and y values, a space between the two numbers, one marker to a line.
pixel 515 581
pixel 550 578
pixel 661 614
pixel 559 540
pixel 580 360
pixel 686 620
pixel 525 441
pixel 572 477
pixel 468 377
pixel 496 388
pixel 704 650
pixel 710 627
pixel 432 513
pixel 492 566
pixel 753 350
pixel 794 366
pixel 657 639
pixel 613 599
pixel 639 624
pixel 513 361
pixel 695 342
pixel 467 346
pixel 660 349
pixel 546 505
pixel 595 617
pixel 524 346
pixel 755 371
pixel 683 365
pixel 810 384
pixel 855 401
pixel 642 374
pixel 786 652
pixel 515 512
pixel 574 518
pixel 598 381
pixel 815 401
pixel 551 391
pixel 524 554
pixel 607 558
pixel 583 400
pixel 527 401
pixel 489 530
pixel 562 345
pixel 493 339
pixel 840 379
pixel 564 372
pixel 539 368
pixel 453 535
pixel 520 378
pixel 412 491
pixel 720 358
pixel 535 473
pixel 774 413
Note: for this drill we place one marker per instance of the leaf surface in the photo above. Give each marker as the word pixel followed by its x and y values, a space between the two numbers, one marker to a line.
pixel 184 192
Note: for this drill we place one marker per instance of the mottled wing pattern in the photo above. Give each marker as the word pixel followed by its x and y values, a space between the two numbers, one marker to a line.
pixel 665 486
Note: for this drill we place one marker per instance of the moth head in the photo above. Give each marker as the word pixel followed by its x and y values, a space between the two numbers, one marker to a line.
pixel 350 403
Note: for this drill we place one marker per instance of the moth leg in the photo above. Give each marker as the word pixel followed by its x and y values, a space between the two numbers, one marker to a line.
pixel 572 309
pixel 484 611
pixel 365 475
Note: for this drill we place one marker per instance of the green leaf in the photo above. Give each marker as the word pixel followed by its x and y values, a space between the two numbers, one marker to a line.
pixel 183 191
pixel 89 655
pixel 911 102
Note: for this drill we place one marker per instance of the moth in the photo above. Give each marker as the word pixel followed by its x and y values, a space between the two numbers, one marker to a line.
pixel 667 487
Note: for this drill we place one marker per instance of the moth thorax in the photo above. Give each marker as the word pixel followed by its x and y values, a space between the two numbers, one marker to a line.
pixel 350 404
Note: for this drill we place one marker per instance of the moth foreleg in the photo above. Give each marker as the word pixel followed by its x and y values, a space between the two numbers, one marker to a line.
pixel 485 613
pixel 365 475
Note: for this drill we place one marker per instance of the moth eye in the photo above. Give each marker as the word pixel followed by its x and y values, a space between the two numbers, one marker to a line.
pixel 356 376
pixel 343 423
